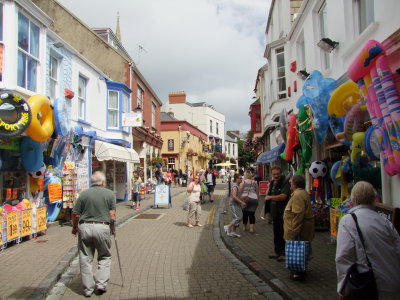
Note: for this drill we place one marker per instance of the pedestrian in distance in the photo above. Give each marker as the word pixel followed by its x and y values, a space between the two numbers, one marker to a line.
pixel 210 182
pixel 93 219
pixel 277 197
pixel 249 193
pixel 159 175
pixel 194 189
pixel 298 218
pixel 236 205
pixel 175 176
pixel 381 241
pixel 136 181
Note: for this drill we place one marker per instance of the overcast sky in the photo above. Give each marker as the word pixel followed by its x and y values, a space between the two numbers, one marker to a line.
pixel 211 49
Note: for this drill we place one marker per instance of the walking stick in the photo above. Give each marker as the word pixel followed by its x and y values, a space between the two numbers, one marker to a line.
pixel 119 260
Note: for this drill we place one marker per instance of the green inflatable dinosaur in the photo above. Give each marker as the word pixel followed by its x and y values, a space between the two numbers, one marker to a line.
pixel 304 123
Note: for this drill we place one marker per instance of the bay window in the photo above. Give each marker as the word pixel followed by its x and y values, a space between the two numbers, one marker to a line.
pixel 112 109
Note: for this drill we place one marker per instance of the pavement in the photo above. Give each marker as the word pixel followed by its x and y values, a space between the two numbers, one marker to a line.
pixel 162 258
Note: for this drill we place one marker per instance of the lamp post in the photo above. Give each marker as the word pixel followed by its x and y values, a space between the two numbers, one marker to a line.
pixel 179 146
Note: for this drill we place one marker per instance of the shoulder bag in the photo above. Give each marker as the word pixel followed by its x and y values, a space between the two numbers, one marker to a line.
pixel 360 285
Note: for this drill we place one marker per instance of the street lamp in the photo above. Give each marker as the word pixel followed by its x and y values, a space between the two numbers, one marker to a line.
pixel 179 147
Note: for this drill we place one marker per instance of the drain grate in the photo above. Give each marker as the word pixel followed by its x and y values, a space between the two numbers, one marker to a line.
pixel 148 216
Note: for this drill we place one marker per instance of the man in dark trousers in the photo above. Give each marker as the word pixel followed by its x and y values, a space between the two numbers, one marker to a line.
pixel 95 212
pixel 210 182
pixel 277 197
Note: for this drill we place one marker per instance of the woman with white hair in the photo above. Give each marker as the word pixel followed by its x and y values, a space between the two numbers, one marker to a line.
pixel 381 241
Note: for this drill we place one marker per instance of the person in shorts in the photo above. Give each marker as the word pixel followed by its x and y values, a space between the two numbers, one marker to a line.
pixel 236 205
pixel 210 182
pixel 136 181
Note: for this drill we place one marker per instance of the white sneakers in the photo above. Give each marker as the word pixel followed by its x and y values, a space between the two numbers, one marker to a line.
pixel 226 229
pixel 231 234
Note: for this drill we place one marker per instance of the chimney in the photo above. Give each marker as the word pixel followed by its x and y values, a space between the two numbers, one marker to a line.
pixel 177 97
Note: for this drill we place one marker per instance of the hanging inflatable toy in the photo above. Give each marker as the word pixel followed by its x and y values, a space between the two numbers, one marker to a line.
pixel 53 208
pixel 316 91
pixel 357 146
pixel 292 139
pixel 337 128
pixel 36 179
pixel 371 143
pixel 343 98
pixel 318 169
pixel 334 171
pixel 15 114
pixel 42 124
pixel 61 117
pixel 283 124
pixel 304 123
pixel 354 121
pixel 31 154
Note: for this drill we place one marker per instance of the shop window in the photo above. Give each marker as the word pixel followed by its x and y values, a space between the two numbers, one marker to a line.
pixel 139 97
pixel 171 163
pixel 281 75
pixel 112 109
pixel 125 107
pixel 53 76
pixel 81 97
pixel 28 53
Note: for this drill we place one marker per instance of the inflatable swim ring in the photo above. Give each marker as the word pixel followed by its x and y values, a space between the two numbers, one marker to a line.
pixel 18 110
pixel 62 117
pixel 42 124
pixel 31 154
pixel 343 98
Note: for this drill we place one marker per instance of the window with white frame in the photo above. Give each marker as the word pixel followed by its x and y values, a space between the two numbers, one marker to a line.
pixel 28 53
pixel 53 76
pixel 171 162
pixel 364 14
pixel 81 97
pixel 323 30
pixel 125 106
pixel 112 109
pixel 139 97
pixel 281 75
pixel 210 125
pixel 153 115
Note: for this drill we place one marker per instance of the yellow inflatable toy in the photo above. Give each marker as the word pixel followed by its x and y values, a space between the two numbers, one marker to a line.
pixel 343 98
pixel 42 124
pixel 357 146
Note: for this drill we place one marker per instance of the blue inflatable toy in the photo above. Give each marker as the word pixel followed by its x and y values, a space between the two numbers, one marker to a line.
pixel 334 170
pixel 62 117
pixel 31 154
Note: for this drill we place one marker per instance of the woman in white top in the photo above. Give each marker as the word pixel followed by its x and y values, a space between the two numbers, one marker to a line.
pixel 382 244
pixel 194 214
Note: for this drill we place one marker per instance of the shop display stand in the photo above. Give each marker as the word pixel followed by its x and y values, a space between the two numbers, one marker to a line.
pixel 70 179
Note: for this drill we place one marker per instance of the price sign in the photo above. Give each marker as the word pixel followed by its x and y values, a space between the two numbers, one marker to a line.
pixel 14 193
pixel 8 194
pixel 264 185
pixel 26 222
pixel 41 219
pixel 12 225
pixel 55 191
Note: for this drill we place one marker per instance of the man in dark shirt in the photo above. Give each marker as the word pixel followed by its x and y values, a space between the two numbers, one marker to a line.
pixel 159 175
pixel 95 212
pixel 278 196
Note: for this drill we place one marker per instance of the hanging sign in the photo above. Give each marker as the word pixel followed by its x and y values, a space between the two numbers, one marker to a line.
pixel 55 191
pixel 12 225
pixel 132 119
pixel 41 219
pixel 26 222
pixel 264 185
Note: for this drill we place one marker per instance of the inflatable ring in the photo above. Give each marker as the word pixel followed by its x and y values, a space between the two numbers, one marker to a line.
pixel 343 98
pixel 23 114
pixel 61 117
pixel 31 154
pixel 42 125
pixel 334 170
pixel 371 143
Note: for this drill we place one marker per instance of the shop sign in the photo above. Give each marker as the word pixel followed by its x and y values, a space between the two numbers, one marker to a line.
pixel 12 225
pixel 264 185
pixel 333 221
pixel 41 219
pixel 55 191
pixel 132 119
pixel 26 222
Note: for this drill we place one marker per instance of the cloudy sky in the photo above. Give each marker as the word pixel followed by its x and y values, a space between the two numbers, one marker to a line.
pixel 211 49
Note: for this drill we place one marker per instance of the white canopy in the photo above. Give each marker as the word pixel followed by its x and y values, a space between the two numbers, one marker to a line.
pixel 107 151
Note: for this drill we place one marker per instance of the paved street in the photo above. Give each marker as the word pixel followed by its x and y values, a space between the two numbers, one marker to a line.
pixel 162 258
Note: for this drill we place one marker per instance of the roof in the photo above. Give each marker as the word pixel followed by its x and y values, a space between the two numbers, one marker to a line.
pixel 197 104
pixel 114 38
pixel 167 117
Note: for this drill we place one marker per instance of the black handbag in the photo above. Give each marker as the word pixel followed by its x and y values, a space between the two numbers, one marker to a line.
pixel 360 285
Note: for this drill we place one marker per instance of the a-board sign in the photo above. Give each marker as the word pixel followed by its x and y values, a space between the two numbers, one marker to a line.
pixel 389 212
pixel 161 195
pixel 12 225
pixel 26 222
pixel 263 188
pixel 41 219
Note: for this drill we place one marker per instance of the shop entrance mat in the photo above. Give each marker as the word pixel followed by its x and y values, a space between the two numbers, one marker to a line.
pixel 148 216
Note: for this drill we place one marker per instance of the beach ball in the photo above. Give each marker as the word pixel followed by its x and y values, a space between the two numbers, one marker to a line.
pixel 318 169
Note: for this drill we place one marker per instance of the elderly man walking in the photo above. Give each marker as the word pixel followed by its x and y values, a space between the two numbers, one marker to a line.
pixel 95 212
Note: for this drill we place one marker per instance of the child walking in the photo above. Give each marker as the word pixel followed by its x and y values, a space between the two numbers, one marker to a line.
pixel 136 181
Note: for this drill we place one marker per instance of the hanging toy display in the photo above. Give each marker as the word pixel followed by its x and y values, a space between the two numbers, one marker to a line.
pixel 318 169
pixel 42 124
